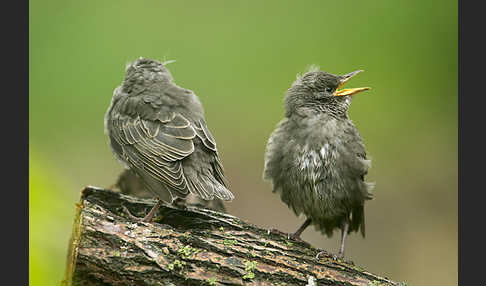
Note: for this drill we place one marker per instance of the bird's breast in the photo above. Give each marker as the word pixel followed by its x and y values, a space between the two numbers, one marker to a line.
pixel 316 163
pixel 318 147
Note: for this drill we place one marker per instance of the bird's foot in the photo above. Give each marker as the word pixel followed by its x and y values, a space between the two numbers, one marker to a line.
pixel 129 214
pixel 290 236
pixel 338 256
pixel 295 237
pixel 148 217
pixel 332 255
pixel 322 253
pixel 275 231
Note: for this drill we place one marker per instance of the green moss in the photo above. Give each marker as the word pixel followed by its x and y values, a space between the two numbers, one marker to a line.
pixel 230 242
pixel 212 281
pixel 184 251
pixel 187 251
pixel 249 275
pixel 249 267
pixel 177 263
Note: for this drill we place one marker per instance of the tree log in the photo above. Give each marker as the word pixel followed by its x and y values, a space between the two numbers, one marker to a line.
pixel 191 246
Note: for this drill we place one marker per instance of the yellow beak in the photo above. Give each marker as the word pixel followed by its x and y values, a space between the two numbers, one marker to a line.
pixel 349 91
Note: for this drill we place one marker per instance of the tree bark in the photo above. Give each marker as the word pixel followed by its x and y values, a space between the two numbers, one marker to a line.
pixel 190 246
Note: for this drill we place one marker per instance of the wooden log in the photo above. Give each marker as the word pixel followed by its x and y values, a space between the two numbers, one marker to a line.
pixel 191 246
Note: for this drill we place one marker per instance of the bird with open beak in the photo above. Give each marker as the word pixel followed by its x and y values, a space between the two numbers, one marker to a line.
pixel 315 158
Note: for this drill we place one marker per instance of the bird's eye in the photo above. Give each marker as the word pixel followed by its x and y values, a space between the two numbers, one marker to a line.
pixel 329 89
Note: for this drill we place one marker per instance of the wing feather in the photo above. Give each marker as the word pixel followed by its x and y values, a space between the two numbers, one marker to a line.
pixel 156 148
pixel 203 133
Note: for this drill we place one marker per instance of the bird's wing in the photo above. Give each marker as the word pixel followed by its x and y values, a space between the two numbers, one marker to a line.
pixel 207 138
pixel 205 135
pixel 358 149
pixel 155 148
pixel 361 166
pixel 354 142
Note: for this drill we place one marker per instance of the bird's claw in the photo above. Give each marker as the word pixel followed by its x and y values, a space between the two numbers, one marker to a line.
pixel 321 253
pixel 294 237
pixel 129 214
pixel 148 218
pixel 333 256
pixel 275 231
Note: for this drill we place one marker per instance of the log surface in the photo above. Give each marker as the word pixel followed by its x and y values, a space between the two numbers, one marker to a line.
pixel 191 246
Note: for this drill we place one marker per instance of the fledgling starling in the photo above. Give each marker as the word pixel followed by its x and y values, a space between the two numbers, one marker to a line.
pixel 130 184
pixel 157 130
pixel 315 157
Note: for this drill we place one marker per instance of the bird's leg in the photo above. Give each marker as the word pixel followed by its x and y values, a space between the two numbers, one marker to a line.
pixel 297 233
pixel 149 216
pixel 344 233
pixel 129 214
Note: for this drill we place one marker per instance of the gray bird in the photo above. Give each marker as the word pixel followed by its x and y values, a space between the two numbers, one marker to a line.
pixel 157 130
pixel 128 183
pixel 315 157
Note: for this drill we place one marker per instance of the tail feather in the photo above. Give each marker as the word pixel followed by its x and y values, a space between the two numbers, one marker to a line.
pixel 219 190
pixel 161 191
pixel 358 220
pixel 208 188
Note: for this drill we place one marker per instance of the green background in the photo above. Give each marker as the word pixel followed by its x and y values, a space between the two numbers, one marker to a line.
pixel 240 57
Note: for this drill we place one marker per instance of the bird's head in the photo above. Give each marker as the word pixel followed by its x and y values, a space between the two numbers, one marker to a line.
pixel 144 72
pixel 318 91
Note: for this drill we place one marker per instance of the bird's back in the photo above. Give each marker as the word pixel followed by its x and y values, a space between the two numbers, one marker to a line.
pixel 157 129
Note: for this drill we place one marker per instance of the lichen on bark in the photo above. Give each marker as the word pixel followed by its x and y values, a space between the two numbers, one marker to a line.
pixel 190 246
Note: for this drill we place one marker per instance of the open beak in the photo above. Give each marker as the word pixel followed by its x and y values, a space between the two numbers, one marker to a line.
pixel 349 91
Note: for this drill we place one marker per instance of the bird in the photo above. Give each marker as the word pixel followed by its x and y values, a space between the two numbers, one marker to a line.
pixel 315 158
pixel 128 183
pixel 157 130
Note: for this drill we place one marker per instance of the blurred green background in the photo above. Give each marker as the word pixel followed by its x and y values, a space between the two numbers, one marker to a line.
pixel 240 57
